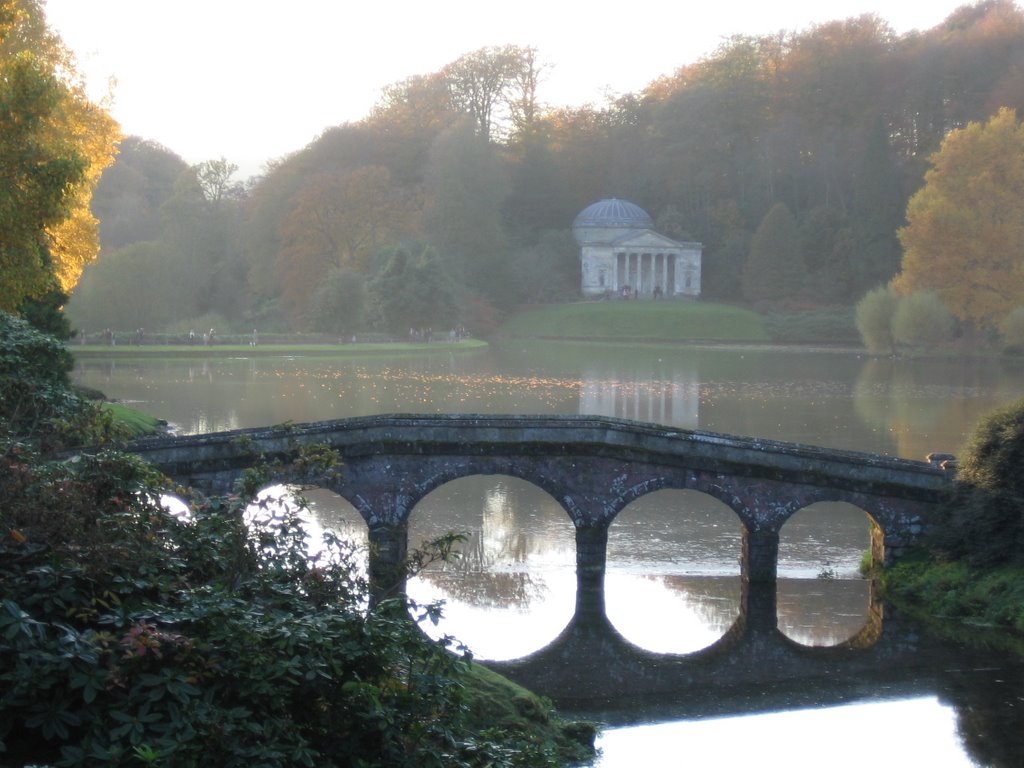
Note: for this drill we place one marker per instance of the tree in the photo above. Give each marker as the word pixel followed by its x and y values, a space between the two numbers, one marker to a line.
pixel 339 220
pixel 965 226
pixel 774 271
pixel 878 203
pixel 495 83
pixel 214 177
pixel 413 290
pixel 54 144
pixel 37 167
pixel 548 271
pixel 1012 330
pixel 922 320
pixel 130 192
pixel 466 187
pixel 338 304
pixel 147 284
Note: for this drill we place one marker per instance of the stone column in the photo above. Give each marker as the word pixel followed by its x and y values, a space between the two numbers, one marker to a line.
pixel 760 558
pixel 591 558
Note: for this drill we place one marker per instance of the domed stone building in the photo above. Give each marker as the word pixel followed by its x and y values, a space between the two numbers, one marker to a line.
pixel 622 255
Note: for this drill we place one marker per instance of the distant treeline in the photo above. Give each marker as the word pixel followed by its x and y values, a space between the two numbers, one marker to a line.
pixel 791 157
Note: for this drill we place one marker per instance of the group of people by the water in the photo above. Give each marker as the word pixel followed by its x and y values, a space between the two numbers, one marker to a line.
pixel 627 292
pixel 426 335
pixel 208 337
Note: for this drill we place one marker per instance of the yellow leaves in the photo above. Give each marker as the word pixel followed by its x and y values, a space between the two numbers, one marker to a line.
pixel 965 227
pixel 54 144
pixel 75 242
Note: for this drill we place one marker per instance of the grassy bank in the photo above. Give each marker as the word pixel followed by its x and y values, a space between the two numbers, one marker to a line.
pixel 670 321
pixel 494 701
pixel 271 350
pixel 135 423
pixel 952 595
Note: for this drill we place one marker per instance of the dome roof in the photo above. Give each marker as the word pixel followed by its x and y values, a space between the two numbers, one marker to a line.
pixel 613 213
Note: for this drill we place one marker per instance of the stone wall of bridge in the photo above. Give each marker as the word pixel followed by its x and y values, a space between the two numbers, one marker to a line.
pixel 593 466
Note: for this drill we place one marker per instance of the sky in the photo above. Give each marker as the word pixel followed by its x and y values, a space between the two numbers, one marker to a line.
pixel 254 80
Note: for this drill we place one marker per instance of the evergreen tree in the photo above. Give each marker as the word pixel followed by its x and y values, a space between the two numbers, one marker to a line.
pixel 413 291
pixel 774 270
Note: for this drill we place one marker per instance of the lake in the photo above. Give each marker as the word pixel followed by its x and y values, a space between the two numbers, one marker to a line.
pixel 672 585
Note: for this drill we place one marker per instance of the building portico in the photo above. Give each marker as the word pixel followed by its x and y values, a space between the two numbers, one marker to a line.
pixel 622 255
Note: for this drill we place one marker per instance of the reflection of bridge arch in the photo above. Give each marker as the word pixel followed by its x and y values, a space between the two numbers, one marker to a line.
pixel 687 595
pixel 519 556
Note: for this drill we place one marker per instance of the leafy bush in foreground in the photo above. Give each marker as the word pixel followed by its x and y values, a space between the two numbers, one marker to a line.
pixel 129 636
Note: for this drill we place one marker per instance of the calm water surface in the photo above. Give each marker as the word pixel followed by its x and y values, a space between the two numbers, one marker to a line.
pixel 673 557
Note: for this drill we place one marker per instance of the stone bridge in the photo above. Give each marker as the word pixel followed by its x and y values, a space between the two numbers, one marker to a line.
pixel 594 467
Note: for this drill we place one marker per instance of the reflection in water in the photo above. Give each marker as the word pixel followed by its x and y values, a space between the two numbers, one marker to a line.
pixel 822 611
pixel 671 614
pixel 824 539
pixel 513 588
pixel 914 732
pixel 676 532
pixel 673 583
pixel 671 396
pixel 929 406
pixel 847 401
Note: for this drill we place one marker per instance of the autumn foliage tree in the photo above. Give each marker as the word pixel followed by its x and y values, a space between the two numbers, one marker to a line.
pixel 835 122
pixel 965 227
pixel 339 220
pixel 54 143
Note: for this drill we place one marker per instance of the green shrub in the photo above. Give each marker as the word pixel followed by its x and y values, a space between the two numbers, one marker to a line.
pixel 983 521
pixel 874 315
pixel 128 635
pixel 818 326
pixel 922 320
pixel 1012 331
pixel 36 403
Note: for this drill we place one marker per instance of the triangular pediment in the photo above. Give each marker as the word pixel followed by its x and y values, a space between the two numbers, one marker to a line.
pixel 647 238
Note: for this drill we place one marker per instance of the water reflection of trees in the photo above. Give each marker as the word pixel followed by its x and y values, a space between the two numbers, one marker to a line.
pixel 919 402
pixel 988 706
pixel 715 601
pixel 515 531
pixel 483 589
pixel 822 612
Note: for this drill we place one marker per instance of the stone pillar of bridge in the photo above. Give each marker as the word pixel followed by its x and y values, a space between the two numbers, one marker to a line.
pixel 591 557
pixel 759 561
pixel 388 546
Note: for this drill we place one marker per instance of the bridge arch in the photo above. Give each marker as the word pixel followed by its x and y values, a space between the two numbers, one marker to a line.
pixel 672 582
pixel 519 556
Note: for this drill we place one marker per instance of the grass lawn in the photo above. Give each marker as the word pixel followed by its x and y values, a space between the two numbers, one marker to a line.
pixel 136 422
pixel 638 320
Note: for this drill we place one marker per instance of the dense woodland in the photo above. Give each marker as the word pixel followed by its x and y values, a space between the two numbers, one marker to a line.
pixel 791 157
